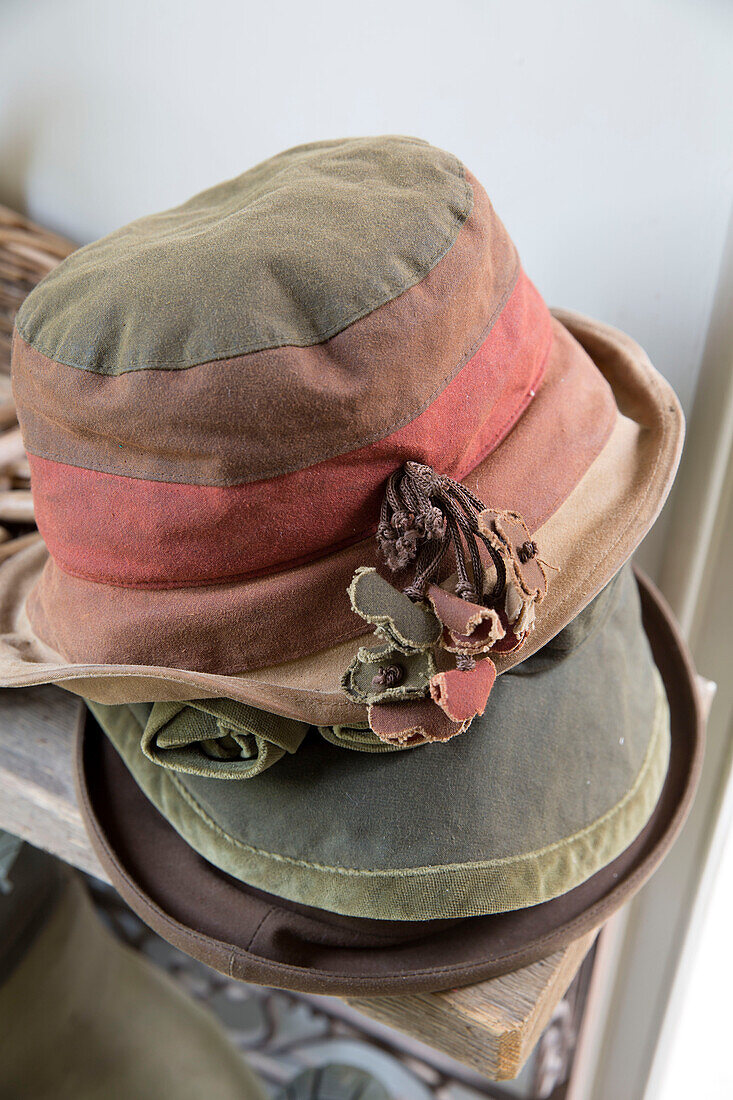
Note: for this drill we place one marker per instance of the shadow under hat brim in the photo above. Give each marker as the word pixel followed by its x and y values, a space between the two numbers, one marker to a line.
pixel 589 535
pixel 256 937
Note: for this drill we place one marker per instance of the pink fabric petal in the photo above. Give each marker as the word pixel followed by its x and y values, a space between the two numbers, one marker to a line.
pixel 510 535
pixel 484 637
pixel 464 693
pixel 457 615
pixel 412 722
pixel 511 641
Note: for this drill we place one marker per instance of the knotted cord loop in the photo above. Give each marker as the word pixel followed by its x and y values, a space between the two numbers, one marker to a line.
pixel 527 551
pixel 388 677
pixel 423 515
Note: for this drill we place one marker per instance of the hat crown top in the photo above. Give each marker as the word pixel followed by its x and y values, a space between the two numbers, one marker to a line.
pixel 245 371
pixel 287 254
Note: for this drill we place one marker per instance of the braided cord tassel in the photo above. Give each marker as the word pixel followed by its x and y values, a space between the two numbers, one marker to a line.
pixel 423 515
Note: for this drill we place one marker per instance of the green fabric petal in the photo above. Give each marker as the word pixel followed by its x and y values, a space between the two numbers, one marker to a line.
pixel 414 669
pixel 360 740
pixel 411 627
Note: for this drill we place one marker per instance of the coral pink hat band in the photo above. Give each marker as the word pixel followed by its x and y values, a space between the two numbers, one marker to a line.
pixel 156 534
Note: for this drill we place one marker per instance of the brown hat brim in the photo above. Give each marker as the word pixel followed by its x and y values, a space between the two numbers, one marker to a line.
pixel 256 937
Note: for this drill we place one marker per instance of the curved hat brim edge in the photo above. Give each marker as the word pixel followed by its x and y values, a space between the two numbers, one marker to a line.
pixel 520 937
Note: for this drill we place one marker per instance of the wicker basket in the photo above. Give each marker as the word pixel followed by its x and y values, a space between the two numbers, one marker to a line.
pixel 27 253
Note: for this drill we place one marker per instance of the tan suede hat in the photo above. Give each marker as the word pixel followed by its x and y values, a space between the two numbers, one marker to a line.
pixel 209 453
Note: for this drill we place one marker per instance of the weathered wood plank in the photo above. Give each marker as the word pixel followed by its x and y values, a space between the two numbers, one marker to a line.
pixel 493 1026
pixel 37 796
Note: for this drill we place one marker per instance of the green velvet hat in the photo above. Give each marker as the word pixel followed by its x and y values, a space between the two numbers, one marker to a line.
pixel 548 812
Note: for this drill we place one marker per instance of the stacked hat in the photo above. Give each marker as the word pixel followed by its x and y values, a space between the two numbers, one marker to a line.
pixel 86 1017
pixel 337 518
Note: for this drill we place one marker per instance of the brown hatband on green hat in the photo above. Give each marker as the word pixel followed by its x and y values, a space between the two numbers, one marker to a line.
pixel 219 400
pixel 492 785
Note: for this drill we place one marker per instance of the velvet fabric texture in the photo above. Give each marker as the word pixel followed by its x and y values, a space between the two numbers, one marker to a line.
pixel 557 777
pixel 257 937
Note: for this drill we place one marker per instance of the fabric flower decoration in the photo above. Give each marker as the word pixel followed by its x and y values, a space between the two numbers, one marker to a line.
pixel 525 577
pixel 360 739
pixel 468 628
pixel 409 701
pixel 463 693
pixel 383 673
pixel 434 670
pixel 411 723
pixel 410 627
pixel 218 738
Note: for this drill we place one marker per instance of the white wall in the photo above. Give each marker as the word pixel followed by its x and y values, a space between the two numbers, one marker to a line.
pixel 602 130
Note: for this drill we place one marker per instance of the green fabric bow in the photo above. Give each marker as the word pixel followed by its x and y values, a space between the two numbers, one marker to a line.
pixel 219 738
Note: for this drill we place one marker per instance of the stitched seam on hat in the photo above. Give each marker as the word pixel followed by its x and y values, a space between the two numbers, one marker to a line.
pixel 461 219
pixel 415 872
pixel 563 494
pixel 664 421
pixel 368 440
pixel 267 915
pixel 321 552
